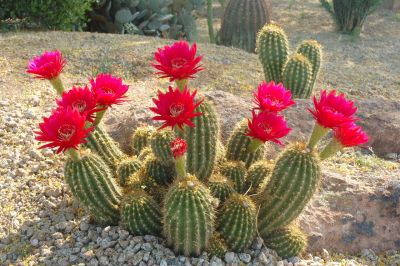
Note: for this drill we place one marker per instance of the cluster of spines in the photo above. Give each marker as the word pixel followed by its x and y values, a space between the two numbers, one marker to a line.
pixel 257 176
pixel 288 242
pixel 217 246
pixel 160 143
pixel 126 168
pixel 161 172
pixel 220 187
pixel 140 138
pixel 92 183
pixel 236 172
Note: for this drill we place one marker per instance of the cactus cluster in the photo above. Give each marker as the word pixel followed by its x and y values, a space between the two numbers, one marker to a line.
pixel 298 72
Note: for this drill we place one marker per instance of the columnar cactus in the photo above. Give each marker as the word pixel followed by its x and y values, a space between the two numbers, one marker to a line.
pixel 237 221
pixel 217 246
pixel 101 143
pixel 273 51
pixel 242 20
pixel 160 144
pixel 161 172
pixel 188 216
pixel 140 138
pixel 293 181
pixel 92 183
pixel 236 172
pixel 287 242
pixel 297 75
pixel 312 50
pixel 257 176
pixel 238 143
pixel 141 214
pixel 220 187
pixel 126 168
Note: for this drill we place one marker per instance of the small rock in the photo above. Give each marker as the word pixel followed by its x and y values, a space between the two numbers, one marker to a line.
pixel 34 242
pixel 245 257
pixel 325 255
pixel 229 257
pixel 84 226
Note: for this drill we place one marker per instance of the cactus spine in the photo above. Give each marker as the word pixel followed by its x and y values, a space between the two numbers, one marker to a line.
pixel 145 153
pixel 237 149
pixel 126 168
pixel 91 182
pixel 257 176
pixel 237 223
pixel 293 182
pixel 202 142
pixel 217 246
pixel 273 51
pixel 162 173
pixel 287 242
pixel 141 214
pixel 312 50
pixel 236 172
pixel 188 216
pixel 140 138
pixel 100 142
pixel 160 142
pixel 242 20
pixel 297 75
pixel 220 187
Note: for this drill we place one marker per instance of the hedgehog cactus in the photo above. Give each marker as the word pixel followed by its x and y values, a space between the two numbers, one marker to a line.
pixel 140 138
pixel 297 75
pixel 161 172
pixel 146 152
pixel 220 187
pixel 237 222
pixel 312 50
pixel 257 176
pixel 126 168
pixel 160 144
pixel 236 172
pixel 287 242
pixel 92 183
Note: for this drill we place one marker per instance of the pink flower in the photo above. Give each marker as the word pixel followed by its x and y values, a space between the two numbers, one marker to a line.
pixel 333 110
pixel 178 147
pixel 65 129
pixel 272 97
pixel 108 90
pixel 175 108
pixel 350 136
pixel 178 61
pixel 80 98
pixel 267 126
pixel 47 66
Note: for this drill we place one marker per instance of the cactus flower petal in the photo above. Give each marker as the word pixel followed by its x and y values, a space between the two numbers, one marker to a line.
pixel 46 66
pixel 108 90
pixel 350 136
pixel 272 97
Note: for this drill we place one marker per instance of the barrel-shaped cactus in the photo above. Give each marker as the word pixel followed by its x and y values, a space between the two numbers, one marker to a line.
pixel 312 50
pixel 202 142
pixel 297 75
pixel 140 138
pixel 126 168
pixel 100 142
pixel 217 246
pixel 145 153
pixel 141 214
pixel 221 187
pixel 160 143
pixel 236 172
pixel 238 143
pixel 92 183
pixel 237 221
pixel 188 216
pixel 293 181
pixel 287 242
pixel 273 51
pixel 242 20
pixel 161 172
pixel 257 176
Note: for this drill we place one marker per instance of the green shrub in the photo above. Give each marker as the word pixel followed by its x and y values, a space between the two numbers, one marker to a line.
pixel 50 14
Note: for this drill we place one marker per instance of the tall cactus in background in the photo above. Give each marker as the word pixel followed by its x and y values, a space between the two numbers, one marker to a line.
pixel 296 76
pixel 92 183
pixel 312 50
pixel 242 20
pixel 294 180
pixel 287 242
pixel 273 51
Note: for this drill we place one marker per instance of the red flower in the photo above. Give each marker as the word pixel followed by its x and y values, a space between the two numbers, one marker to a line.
pixel 333 110
pixel 108 90
pixel 178 147
pixel 272 97
pixel 65 129
pixel 267 126
pixel 350 136
pixel 175 107
pixel 82 99
pixel 178 61
pixel 47 66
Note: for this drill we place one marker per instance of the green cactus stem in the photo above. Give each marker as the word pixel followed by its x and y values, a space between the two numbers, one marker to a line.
pixel 257 176
pixel 92 183
pixel 126 168
pixel 238 143
pixel 273 51
pixel 331 149
pixel 217 246
pixel 237 222
pixel 141 214
pixel 312 50
pixel 160 142
pixel 293 182
pixel 188 216
pixel 236 172
pixel 57 85
pixel 296 76
pixel 318 133
pixel 210 23
pixel 221 187
pixel 141 138
pixel 145 153
pixel 288 242
pixel 161 172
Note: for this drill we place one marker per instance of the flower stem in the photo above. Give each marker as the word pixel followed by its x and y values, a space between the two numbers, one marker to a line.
pixel 73 154
pixel 99 117
pixel 181 83
pixel 318 133
pixel 180 166
pixel 254 145
pixel 333 147
pixel 57 85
